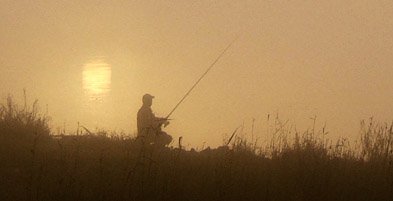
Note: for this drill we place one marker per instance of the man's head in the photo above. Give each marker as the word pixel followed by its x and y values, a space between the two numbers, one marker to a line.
pixel 147 99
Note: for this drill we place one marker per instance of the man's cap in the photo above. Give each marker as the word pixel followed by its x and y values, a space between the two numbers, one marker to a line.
pixel 147 97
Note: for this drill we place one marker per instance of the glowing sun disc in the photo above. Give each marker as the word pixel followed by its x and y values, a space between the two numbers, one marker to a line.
pixel 97 77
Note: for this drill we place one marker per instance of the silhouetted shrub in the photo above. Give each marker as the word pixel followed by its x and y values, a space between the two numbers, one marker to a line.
pixel 22 122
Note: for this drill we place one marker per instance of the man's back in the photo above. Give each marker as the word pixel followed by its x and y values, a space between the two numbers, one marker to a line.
pixel 145 119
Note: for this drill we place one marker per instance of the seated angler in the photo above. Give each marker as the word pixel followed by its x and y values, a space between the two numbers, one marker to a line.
pixel 149 126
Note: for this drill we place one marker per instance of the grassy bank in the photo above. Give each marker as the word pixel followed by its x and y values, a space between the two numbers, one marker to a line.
pixel 34 165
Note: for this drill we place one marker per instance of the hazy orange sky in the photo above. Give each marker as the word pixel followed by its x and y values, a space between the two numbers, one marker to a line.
pixel 332 59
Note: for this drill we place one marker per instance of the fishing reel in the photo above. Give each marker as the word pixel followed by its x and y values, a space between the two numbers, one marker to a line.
pixel 162 122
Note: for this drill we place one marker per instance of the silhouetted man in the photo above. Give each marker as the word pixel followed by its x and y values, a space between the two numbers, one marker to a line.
pixel 149 126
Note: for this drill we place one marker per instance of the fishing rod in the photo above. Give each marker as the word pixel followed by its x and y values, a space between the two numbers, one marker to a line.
pixel 200 78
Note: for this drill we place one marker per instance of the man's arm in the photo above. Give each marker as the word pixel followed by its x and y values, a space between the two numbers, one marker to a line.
pixel 158 121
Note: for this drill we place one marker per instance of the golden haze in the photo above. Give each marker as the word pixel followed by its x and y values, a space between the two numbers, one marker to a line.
pixel 299 59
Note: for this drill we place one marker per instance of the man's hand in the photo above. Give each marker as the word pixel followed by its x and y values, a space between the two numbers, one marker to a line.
pixel 166 123
pixel 162 120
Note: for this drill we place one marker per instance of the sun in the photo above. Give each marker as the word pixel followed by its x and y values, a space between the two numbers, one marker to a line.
pixel 97 77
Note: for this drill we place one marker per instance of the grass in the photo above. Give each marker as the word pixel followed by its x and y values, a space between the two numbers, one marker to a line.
pixel 35 165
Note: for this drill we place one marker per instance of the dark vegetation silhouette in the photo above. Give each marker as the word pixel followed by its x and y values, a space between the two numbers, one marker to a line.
pixel 36 165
